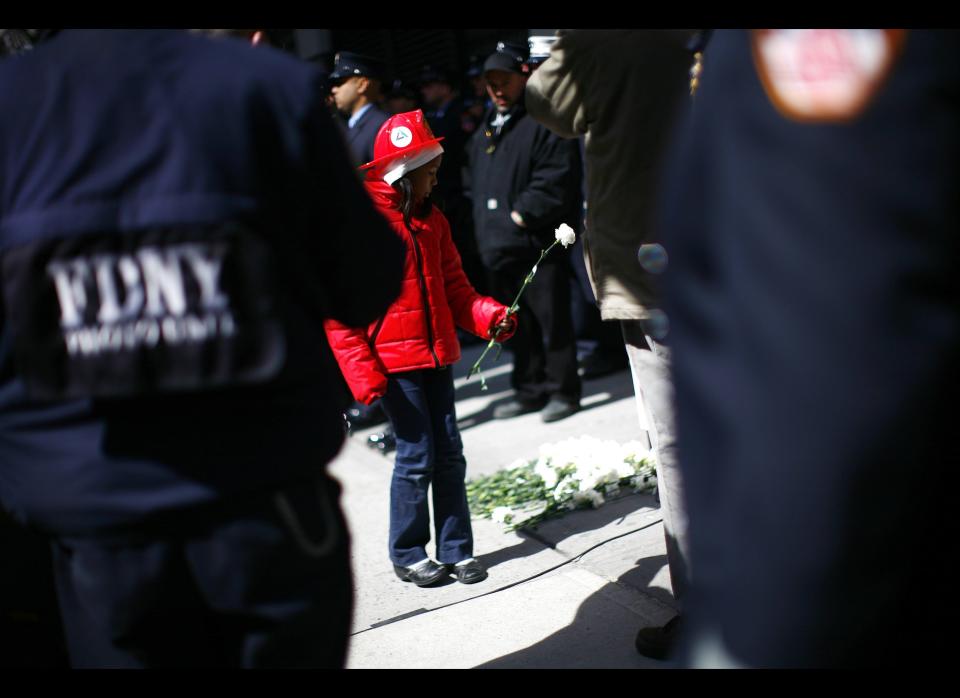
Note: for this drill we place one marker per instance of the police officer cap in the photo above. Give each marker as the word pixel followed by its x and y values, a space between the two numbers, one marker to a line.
pixel 348 65
pixel 431 73
pixel 509 57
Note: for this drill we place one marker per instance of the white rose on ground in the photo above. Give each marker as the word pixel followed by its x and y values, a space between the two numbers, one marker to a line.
pixel 565 235
pixel 502 514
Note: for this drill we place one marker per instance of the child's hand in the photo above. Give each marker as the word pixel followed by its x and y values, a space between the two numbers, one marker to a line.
pixel 505 328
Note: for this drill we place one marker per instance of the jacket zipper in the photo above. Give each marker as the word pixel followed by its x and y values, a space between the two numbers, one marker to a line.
pixel 376 331
pixel 423 291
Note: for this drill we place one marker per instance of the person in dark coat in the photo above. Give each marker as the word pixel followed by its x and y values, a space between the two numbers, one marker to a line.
pixel 525 182
pixel 177 218
pixel 812 211
pixel 356 86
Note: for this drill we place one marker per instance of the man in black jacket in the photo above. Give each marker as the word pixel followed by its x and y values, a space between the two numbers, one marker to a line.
pixel 525 182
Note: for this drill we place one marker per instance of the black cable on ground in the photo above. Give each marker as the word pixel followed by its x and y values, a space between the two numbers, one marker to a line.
pixel 575 558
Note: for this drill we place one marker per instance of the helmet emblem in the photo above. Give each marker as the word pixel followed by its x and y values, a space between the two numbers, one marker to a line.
pixel 401 137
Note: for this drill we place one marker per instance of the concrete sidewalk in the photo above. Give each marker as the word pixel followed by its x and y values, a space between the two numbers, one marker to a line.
pixel 570 594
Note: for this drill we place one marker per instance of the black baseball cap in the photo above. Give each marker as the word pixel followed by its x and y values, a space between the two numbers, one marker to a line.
pixel 511 58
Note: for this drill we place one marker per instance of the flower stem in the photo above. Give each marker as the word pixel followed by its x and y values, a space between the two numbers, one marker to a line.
pixel 510 311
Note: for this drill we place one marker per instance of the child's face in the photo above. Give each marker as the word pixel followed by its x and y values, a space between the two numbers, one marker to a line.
pixel 424 179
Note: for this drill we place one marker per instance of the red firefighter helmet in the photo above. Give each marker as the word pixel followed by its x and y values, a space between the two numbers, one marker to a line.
pixel 404 143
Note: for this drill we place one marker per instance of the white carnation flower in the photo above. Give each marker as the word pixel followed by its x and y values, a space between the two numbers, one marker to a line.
pixel 502 514
pixel 635 450
pixel 592 497
pixel 565 235
pixel 546 473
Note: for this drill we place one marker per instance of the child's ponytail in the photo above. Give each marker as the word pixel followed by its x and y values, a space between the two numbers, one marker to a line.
pixel 405 187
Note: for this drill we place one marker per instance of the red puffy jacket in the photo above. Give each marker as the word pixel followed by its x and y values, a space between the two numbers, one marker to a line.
pixel 419 329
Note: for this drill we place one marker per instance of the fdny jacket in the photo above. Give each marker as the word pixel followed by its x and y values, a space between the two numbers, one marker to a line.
pixel 177 216
pixel 419 329
pixel 814 308
pixel 527 169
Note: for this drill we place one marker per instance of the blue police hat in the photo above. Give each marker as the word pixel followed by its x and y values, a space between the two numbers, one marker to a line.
pixel 509 57
pixel 348 65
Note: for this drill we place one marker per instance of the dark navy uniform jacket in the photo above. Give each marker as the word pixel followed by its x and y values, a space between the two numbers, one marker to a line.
pixel 363 134
pixel 526 168
pixel 814 303
pixel 143 175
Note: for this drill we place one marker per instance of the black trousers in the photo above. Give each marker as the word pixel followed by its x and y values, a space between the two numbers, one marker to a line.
pixel 544 347
pixel 268 588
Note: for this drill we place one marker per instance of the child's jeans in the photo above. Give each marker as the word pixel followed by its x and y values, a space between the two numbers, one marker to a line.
pixel 420 405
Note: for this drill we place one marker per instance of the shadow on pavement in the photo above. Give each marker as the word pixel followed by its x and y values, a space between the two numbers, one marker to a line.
pixel 593 635
pixel 554 532
pixel 615 386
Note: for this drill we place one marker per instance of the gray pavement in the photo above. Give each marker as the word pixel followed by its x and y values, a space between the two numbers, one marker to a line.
pixel 570 594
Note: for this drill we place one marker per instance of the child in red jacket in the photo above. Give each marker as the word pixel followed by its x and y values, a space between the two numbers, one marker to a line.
pixel 404 358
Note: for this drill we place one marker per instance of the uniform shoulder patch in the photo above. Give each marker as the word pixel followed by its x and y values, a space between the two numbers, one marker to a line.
pixel 824 74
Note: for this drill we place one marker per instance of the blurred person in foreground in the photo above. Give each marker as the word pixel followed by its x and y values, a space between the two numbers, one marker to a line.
pixel 177 217
pixel 814 305
pixel 621 90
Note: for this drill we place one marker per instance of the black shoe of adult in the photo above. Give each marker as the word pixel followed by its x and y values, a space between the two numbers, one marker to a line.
pixel 558 409
pixel 515 408
pixel 469 572
pixel 423 575
pixel 657 642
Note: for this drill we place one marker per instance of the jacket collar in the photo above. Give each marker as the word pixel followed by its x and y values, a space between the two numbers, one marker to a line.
pixel 516 113
pixel 362 112
pixel 387 200
pixel 384 196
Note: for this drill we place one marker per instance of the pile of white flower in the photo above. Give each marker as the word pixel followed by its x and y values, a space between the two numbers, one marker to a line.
pixel 569 474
